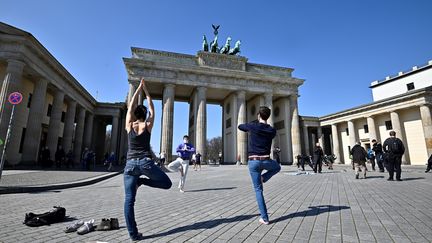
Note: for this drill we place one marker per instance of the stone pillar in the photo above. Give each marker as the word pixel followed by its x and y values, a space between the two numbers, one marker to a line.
pixel 335 140
pixel 88 131
pixel 123 136
pixel 287 153
pixel 167 120
pixel 201 128
pixel 351 131
pixel 394 116
pixel 295 126
pixel 34 123
pixel 306 140
pixel 54 124
pixel 11 83
pixel 69 125
pixel 79 131
pixel 320 136
pixel 372 128
pixel 425 114
pixel 131 93
pixel 241 119
pixel 114 134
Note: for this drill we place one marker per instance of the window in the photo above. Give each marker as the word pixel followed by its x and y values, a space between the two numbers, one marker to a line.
pixel 63 116
pixel 388 125
pixel 228 123
pixel 410 86
pixel 29 100
pixel 366 128
pixel 347 131
pixel 49 110
pixel 22 140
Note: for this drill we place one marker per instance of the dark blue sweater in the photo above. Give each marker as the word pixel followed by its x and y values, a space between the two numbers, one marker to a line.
pixel 260 139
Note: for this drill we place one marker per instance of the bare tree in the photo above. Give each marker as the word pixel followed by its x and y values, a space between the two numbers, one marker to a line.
pixel 213 147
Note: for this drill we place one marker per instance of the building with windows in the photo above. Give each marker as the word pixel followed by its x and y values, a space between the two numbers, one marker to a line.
pixel 401 103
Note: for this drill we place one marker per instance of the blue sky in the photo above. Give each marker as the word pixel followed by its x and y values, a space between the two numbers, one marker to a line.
pixel 338 46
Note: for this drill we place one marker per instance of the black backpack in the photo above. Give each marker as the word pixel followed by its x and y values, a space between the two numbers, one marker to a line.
pixel 395 147
pixel 54 216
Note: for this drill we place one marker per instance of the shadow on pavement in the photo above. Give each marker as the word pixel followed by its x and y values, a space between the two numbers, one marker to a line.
pixel 312 211
pixel 413 178
pixel 202 225
pixel 373 177
pixel 212 189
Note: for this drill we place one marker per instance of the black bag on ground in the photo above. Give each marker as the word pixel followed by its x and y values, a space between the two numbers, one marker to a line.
pixel 54 216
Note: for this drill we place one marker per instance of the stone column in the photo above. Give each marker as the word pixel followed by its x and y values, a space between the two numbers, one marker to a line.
pixel 372 128
pixel 88 131
pixel 287 153
pixel 69 125
pixel 335 140
pixel 306 140
pixel 54 124
pixel 241 119
pixel 295 126
pixel 201 127
pixel 320 137
pixel 394 116
pixel 268 101
pixel 167 120
pixel 114 134
pixel 79 131
pixel 132 89
pixel 34 123
pixel 11 83
pixel 351 131
pixel 425 114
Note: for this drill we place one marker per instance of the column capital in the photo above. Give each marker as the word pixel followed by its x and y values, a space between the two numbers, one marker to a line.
pixel 201 89
pixel 15 66
pixel 170 86
pixel 241 94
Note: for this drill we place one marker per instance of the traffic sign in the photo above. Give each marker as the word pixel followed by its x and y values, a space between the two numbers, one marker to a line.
pixel 15 98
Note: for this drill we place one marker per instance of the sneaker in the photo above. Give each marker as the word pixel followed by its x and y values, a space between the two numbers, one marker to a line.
pixel 390 179
pixel 357 176
pixel 86 227
pixel 262 221
pixel 105 224
pixel 138 237
pixel 426 171
pixel 73 227
pixel 114 224
pixel 399 179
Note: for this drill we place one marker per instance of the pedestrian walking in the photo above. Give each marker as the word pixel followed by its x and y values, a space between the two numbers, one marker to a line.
pixel 181 164
pixel 197 162
pixel 371 157
pixel 394 149
pixel 377 148
pixel 261 135
pixel 317 158
pixel 276 154
pixel 359 156
pixel 139 157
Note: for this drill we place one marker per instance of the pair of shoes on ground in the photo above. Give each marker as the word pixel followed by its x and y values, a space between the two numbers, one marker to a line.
pixel 391 179
pixel 108 224
pixel 80 227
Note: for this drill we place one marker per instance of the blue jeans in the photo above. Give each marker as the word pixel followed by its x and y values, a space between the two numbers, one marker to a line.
pixel 133 170
pixel 255 169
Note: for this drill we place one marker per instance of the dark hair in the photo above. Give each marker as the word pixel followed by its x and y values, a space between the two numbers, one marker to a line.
pixel 373 140
pixel 185 136
pixel 140 112
pixel 264 112
pixel 392 133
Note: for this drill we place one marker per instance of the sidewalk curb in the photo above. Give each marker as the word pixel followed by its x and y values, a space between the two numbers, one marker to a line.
pixel 85 182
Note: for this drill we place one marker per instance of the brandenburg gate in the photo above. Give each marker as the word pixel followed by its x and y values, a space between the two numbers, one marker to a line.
pixel 231 81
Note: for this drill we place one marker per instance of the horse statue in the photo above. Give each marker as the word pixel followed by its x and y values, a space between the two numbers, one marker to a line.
pixel 205 44
pixel 236 48
pixel 226 47
pixel 214 45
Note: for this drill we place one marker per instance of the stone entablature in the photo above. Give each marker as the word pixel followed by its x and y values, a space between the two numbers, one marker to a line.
pixel 408 100
pixel 109 109
pixel 167 67
pixel 310 121
pixel 23 46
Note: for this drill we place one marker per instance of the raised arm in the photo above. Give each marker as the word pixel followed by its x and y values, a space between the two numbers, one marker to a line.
pixel 150 118
pixel 131 108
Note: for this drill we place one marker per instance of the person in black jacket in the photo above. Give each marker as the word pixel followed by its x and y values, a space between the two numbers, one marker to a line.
pixel 317 158
pixel 359 155
pixel 394 149
pixel 429 165
pixel 377 148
